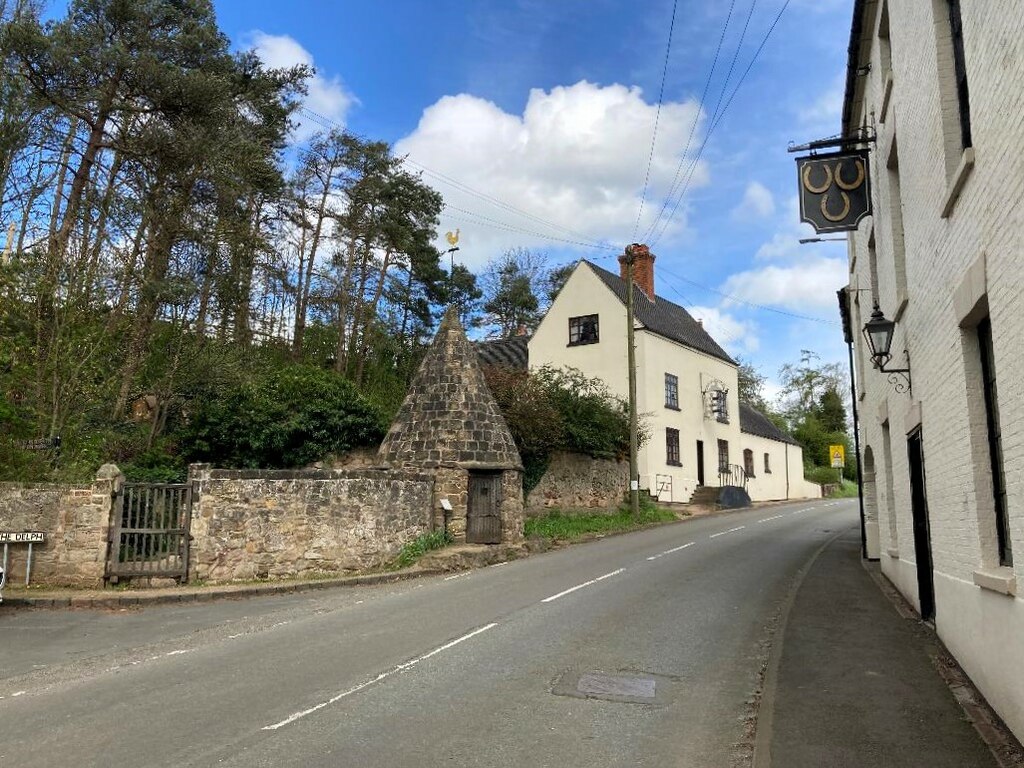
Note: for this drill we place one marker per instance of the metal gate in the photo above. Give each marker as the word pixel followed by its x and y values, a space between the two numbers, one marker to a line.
pixel 149 532
pixel 483 514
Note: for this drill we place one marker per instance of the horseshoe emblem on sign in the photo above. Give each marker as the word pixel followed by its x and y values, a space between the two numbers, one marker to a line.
pixel 839 175
pixel 835 217
pixel 811 187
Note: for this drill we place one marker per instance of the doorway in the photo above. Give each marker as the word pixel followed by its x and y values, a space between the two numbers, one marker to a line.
pixel 700 462
pixel 483 513
pixel 922 530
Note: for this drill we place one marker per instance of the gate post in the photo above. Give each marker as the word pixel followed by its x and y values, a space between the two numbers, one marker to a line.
pixel 105 489
pixel 198 476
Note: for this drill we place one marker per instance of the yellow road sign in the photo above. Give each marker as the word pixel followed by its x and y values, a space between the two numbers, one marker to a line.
pixel 838 455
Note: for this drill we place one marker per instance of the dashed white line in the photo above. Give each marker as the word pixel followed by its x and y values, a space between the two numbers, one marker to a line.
pixel 670 551
pixel 366 684
pixel 456 576
pixel 766 519
pixel 731 530
pixel 565 592
pixel 498 565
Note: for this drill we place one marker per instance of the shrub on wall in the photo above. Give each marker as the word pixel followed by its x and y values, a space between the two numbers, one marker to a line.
pixel 553 409
pixel 288 418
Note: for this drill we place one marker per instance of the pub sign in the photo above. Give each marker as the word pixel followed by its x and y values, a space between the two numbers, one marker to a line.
pixel 835 190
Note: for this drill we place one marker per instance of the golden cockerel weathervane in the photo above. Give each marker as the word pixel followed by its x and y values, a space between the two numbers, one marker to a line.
pixel 453 239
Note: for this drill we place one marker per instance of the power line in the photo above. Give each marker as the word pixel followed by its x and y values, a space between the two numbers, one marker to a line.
pixel 693 125
pixel 462 186
pixel 715 116
pixel 486 221
pixel 718 120
pixel 749 303
pixel 657 118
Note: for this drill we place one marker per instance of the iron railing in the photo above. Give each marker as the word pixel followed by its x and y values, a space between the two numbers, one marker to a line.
pixel 732 474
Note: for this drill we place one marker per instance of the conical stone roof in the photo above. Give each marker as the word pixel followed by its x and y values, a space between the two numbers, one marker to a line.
pixel 449 416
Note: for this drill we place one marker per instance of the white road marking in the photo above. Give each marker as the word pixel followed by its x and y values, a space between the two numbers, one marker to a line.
pixel 498 565
pixel 178 653
pixel 366 684
pixel 731 530
pixel 18 693
pixel 773 517
pixel 670 551
pixel 565 592
pixel 456 576
pixel 797 512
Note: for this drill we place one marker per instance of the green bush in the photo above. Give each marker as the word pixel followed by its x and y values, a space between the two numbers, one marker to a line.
pixel 287 418
pixel 822 475
pixel 551 409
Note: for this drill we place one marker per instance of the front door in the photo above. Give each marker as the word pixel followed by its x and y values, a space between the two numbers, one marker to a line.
pixel 700 462
pixel 483 514
pixel 922 530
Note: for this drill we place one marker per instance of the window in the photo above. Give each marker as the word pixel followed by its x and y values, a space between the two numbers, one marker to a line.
pixel 899 261
pixel 671 391
pixel 748 462
pixel 672 447
pixel 767 465
pixel 583 330
pixel 720 405
pixel 956 31
pixel 995 440
pixel 723 455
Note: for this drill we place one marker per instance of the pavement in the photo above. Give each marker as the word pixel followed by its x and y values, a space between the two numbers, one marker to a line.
pixel 856 680
pixel 753 637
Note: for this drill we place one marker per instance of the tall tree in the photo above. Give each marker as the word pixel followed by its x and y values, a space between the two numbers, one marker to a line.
pixel 512 285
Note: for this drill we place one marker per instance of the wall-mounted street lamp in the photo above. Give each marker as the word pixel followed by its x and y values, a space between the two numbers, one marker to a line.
pixel 805 240
pixel 878 332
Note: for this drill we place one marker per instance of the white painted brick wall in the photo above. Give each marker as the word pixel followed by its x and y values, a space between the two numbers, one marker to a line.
pixel 988 219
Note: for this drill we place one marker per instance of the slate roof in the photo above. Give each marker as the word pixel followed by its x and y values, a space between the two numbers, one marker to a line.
pixel 506 353
pixel 663 317
pixel 753 422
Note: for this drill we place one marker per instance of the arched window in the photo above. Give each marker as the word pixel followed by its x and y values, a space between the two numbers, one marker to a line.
pixel 748 462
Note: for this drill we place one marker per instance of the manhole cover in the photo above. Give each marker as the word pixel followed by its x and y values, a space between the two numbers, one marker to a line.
pixel 632 688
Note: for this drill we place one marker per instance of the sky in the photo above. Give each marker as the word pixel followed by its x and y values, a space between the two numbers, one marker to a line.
pixel 539 122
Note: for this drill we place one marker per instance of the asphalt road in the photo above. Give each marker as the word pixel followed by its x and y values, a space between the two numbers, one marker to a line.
pixel 643 649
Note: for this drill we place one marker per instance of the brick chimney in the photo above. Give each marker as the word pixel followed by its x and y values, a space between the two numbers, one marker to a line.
pixel 643 268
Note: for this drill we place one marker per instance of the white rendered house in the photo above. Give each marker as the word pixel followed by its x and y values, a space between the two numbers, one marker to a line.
pixel 686 387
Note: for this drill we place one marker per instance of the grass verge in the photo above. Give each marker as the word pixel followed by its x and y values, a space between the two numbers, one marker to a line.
pixel 419 546
pixel 848 490
pixel 566 525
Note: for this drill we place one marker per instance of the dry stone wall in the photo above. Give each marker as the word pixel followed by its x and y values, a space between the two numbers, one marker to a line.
pixel 250 524
pixel 75 519
pixel 576 481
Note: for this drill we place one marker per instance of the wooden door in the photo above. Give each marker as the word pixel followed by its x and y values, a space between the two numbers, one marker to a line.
pixel 700 462
pixel 483 515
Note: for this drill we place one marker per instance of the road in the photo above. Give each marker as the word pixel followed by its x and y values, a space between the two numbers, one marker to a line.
pixel 641 649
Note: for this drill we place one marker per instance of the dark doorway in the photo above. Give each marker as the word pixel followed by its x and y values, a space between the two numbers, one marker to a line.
pixel 700 462
pixel 483 514
pixel 922 531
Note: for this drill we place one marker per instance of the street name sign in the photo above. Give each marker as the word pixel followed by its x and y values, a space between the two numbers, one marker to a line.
pixel 22 537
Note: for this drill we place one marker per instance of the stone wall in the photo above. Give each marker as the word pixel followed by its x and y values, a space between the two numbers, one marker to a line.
pixel 75 519
pixel 576 481
pixel 512 513
pixel 264 523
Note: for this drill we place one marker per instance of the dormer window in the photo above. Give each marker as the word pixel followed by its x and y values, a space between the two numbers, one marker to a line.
pixel 583 330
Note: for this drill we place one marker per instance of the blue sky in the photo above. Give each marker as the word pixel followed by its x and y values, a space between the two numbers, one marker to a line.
pixel 543 112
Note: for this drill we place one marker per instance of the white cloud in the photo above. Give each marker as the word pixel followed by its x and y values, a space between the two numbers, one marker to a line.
pixel 735 335
pixel 809 285
pixel 757 200
pixel 576 157
pixel 826 111
pixel 785 243
pixel 327 96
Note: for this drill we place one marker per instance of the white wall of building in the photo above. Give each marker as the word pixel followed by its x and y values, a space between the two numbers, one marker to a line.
pixel 962 220
pixel 585 294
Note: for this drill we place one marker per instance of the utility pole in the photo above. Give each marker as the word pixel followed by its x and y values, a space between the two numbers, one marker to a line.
pixel 634 474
